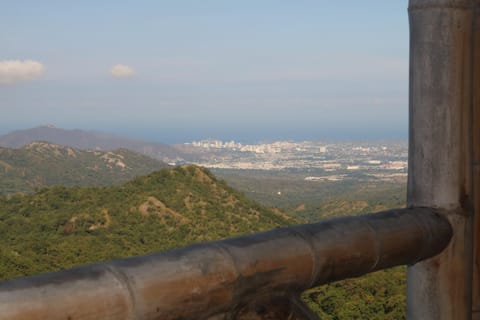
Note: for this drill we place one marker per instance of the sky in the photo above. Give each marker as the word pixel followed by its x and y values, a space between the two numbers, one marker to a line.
pixel 180 70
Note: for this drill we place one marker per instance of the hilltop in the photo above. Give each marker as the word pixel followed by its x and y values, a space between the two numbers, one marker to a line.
pixel 88 140
pixel 41 164
pixel 63 227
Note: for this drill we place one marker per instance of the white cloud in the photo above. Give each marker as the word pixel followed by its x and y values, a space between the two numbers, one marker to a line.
pixel 13 71
pixel 121 71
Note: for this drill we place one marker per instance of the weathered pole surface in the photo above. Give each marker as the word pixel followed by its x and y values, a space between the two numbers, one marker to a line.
pixel 252 277
pixel 442 122
pixel 476 163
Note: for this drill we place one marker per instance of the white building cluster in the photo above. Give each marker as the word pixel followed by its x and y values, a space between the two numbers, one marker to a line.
pixel 261 148
pixel 334 158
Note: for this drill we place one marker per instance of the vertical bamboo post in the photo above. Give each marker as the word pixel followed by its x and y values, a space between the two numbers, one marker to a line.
pixel 476 162
pixel 441 151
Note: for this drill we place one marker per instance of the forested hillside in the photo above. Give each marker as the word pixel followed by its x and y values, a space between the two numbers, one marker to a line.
pixel 41 164
pixel 63 227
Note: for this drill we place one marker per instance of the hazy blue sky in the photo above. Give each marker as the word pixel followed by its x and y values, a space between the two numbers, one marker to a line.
pixel 177 70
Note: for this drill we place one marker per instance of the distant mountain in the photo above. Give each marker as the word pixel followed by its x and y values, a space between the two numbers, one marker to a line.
pixel 92 140
pixel 41 164
pixel 62 227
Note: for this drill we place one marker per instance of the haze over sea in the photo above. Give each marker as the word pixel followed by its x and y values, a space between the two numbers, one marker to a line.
pixel 177 71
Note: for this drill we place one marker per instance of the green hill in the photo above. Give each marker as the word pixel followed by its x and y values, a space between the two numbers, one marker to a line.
pixel 63 227
pixel 41 164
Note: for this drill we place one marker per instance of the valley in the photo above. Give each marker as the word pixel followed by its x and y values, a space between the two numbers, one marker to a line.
pixel 63 206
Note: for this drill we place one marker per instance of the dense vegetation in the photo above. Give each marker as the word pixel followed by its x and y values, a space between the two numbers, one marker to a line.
pixel 375 296
pixel 41 164
pixel 316 200
pixel 62 227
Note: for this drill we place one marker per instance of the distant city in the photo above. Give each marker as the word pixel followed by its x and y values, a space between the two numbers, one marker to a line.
pixel 335 160
pixel 323 160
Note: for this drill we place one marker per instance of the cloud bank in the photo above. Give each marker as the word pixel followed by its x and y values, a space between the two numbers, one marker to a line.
pixel 13 71
pixel 121 71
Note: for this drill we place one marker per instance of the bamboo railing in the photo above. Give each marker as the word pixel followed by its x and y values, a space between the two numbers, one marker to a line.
pixel 257 276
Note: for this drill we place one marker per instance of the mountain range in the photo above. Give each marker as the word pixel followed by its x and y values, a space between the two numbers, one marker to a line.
pixel 89 140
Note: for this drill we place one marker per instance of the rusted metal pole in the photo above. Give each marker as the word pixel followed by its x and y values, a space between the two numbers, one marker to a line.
pixel 441 148
pixel 238 278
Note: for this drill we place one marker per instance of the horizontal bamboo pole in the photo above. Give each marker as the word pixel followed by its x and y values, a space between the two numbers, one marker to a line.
pixel 208 280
